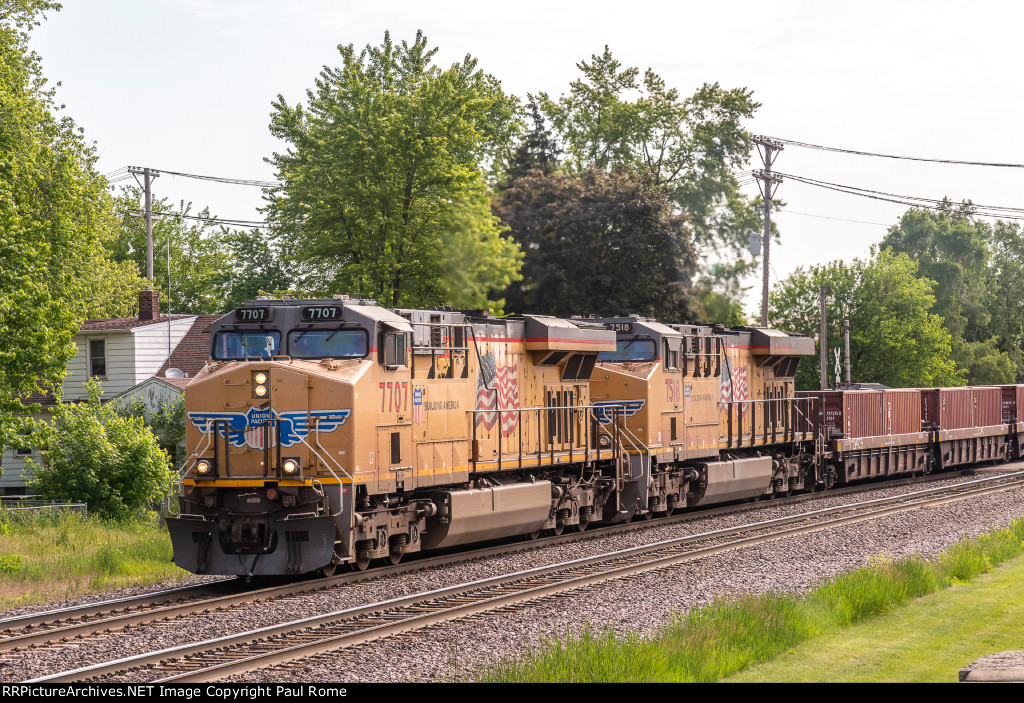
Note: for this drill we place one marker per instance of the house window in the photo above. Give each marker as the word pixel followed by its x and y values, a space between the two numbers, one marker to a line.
pixel 98 357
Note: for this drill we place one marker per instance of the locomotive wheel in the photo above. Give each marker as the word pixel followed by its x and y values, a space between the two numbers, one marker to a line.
pixel 558 529
pixel 534 535
pixel 361 563
pixel 328 571
pixel 669 510
pixel 394 558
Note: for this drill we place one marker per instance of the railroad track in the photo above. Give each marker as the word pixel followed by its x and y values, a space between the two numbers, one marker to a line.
pixel 58 626
pixel 274 645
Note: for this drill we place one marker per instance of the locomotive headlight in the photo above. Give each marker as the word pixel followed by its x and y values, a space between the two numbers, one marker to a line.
pixel 203 467
pixel 260 388
pixel 290 466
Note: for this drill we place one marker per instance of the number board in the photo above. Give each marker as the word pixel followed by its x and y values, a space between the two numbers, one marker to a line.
pixel 626 327
pixel 314 313
pixel 252 314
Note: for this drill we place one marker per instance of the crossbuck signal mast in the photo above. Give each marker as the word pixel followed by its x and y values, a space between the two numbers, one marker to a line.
pixel 768 183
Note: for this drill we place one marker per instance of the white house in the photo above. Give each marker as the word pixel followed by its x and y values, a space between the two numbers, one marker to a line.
pixel 130 357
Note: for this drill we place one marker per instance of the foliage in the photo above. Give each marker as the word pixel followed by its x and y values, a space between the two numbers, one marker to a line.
pixel 538 152
pixel 167 424
pixel 603 243
pixel 93 455
pixel 714 641
pixel 894 339
pixel 976 267
pixel 474 261
pixel 200 253
pixel 257 266
pixel 54 219
pixel 64 553
pixel 613 118
pixel 379 159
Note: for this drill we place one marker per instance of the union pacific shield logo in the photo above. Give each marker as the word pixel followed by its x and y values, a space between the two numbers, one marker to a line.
pixel 626 408
pixel 247 428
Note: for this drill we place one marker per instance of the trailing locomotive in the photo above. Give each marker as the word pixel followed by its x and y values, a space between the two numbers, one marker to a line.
pixel 335 431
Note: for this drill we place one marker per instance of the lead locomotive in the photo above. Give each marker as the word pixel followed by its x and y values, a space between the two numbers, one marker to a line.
pixel 335 431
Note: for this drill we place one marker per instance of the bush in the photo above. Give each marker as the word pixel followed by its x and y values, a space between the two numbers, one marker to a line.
pixel 94 455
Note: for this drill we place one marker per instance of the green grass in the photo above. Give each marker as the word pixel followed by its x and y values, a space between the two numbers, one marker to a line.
pixel 763 634
pixel 53 554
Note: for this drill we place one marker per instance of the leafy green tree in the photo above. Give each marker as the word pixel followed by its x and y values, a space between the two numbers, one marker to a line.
pixel 378 159
pixel 200 253
pixel 603 243
pixel 538 152
pixel 55 218
pixel 94 455
pixel 614 118
pixel 953 248
pixel 167 424
pixel 894 338
pixel 257 266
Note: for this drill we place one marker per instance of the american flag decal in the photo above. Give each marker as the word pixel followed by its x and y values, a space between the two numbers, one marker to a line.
pixel 734 383
pixel 504 396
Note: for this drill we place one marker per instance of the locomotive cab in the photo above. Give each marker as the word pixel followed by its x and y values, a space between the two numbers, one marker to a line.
pixel 269 487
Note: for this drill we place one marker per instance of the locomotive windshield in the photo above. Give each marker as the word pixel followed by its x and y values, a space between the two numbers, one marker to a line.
pixel 327 344
pixel 237 346
pixel 630 350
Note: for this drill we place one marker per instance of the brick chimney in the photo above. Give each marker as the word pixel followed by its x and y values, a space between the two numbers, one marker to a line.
pixel 149 304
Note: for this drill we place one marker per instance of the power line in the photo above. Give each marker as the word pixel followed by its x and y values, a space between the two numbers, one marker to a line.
pixel 212 220
pixel 826 217
pixel 993 211
pixel 839 150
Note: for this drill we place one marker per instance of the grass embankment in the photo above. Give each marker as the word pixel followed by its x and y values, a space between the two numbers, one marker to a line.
pixel 836 623
pixel 52 554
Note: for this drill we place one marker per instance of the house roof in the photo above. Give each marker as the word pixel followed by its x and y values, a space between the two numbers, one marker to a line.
pixel 178 383
pixel 125 323
pixel 192 351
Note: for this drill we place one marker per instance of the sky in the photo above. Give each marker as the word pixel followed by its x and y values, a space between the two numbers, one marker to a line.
pixel 187 85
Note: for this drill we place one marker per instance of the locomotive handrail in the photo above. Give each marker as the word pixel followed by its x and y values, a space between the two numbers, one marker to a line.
pixel 792 406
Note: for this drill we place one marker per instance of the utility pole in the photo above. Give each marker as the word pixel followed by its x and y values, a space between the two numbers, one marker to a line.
pixel 823 339
pixel 768 149
pixel 148 175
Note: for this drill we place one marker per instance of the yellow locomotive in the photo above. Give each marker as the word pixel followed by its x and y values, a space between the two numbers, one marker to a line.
pixel 333 431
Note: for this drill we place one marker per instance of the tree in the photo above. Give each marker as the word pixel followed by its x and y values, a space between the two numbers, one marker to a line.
pixel 94 455
pixel 604 243
pixel 167 424
pixel 538 152
pixel 257 266
pixel 894 338
pixel 612 118
pixel 953 248
pixel 378 160
pixel 55 218
pixel 200 254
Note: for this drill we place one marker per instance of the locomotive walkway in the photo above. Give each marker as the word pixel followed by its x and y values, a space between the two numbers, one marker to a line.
pixel 279 644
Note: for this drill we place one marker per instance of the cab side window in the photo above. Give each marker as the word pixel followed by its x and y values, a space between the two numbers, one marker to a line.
pixel 671 352
pixel 395 346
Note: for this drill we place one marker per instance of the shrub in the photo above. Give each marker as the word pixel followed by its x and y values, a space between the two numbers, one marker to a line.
pixel 94 455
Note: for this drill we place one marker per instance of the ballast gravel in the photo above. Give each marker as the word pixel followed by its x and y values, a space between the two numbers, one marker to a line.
pixel 455 651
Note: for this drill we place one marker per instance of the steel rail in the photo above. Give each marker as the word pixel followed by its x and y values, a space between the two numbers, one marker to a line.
pixel 376 620
pixel 51 627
